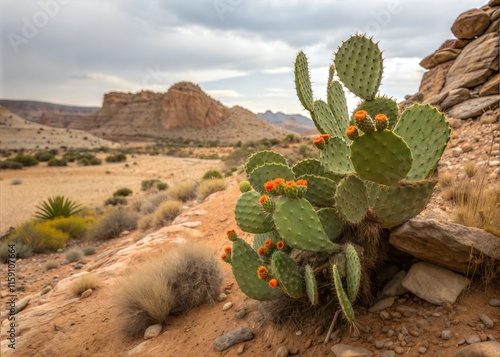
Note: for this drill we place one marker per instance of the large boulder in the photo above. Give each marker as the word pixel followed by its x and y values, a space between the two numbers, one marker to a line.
pixel 474 107
pixel 470 24
pixel 446 244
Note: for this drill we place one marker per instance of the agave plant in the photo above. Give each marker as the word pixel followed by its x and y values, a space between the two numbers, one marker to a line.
pixel 58 206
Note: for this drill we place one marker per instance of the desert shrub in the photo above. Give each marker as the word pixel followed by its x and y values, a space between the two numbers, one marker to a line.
pixel 57 162
pixel 116 158
pixel 113 222
pixel 40 237
pixel 95 161
pixel 88 251
pixel 75 226
pixel 84 162
pixel 207 187
pixel 445 179
pixel 169 283
pixel 161 186
pixel 84 282
pixel 145 222
pixel 10 165
pixel 70 156
pixel 73 255
pixel 25 160
pixel 51 264
pixel 470 169
pixel 151 202
pixel 147 185
pixel 211 174
pixel 15 182
pixel 115 201
pixel 166 213
pixel 57 206
pixel 20 251
pixel 123 192
pixel 44 156
pixel 183 191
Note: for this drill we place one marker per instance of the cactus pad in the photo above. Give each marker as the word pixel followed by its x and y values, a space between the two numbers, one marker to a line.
pixel 245 262
pixel 379 105
pixel 382 157
pixel 338 106
pixel 288 274
pixel 426 132
pixel 359 66
pixel 311 285
pixel 250 216
pixel 259 239
pixel 353 272
pixel 345 304
pixel 263 157
pixel 268 172
pixel 320 190
pixel 395 205
pixel 324 120
pixel 352 200
pixel 299 226
pixel 331 221
pixel 335 157
pixel 303 82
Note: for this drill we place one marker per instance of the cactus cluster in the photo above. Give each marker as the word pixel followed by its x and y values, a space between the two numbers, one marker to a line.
pixel 376 163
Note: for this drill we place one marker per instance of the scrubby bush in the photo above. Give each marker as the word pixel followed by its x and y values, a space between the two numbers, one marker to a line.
pixel 111 224
pixel 170 283
pixel 15 182
pixel 95 161
pixel 84 162
pixel 470 169
pixel 40 237
pixel 70 156
pixel 44 156
pixel 116 158
pixel 10 165
pixel 145 222
pixel 207 187
pixel 151 202
pixel 51 264
pixel 73 255
pixel 57 206
pixel 116 201
pixel 183 191
pixel 161 186
pixel 445 179
pixel 166 213
pixel 211 174
pixel 20 251
pixel 83 283
pixel 88 251
pixel 147 185
pixel 57 162
pixel 123 192
pixel 25 160
pixel 75 226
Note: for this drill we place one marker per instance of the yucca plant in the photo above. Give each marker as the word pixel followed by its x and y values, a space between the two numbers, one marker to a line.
pixel 58 206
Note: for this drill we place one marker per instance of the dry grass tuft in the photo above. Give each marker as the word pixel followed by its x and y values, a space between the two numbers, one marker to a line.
pixel 73 255
pixel 209 186
pixel 151 202
pixel 170 283
pixel 183 191
pixel 84 282
pixel 445 179
pixel 166 213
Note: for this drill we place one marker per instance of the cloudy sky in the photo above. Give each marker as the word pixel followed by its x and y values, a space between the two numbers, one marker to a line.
pixel 239 51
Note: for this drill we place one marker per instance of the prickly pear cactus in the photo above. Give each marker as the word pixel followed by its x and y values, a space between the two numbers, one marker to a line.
pixel 375 165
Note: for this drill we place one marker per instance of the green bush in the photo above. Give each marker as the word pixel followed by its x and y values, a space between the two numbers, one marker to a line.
pixel 122 192
pixel 70 156
pixel 10 165
pixel 57 162
pixel 75 226
pixel 44 156
pixel 116 201
pixel 40 237
pixel 183 191
pixel 211 174
pixel 207 187
pixel 161 186
pixel 88 251
pixel 95 161
pixel 112 224
pixel 84 162
pixel 57 206
pixel 147 185
pixel 166 213
pixel 25 160
pixel 151 202
pixel 73 255
pixel 116 158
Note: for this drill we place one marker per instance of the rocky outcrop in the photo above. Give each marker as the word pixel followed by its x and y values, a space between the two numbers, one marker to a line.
pixel 462 77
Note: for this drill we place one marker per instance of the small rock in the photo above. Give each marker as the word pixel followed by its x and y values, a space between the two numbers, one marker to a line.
pixel 382 304
pixel 399 350
pixel 191 224
pixel 384 315
pixel 281 352
pixel 229 339
pixel 394 287
pixel 456 152
pixel 472 339
pixel 152 331
pixel 461 341
pixel 491 338
pixel 379 344
pixel 422 350
pixel 241 349
pixel 227 306
pixel 241 314
pixel 45 290
pixel 222 297
pixel 308 344
pixel 21 304
pixel 486 320
pixel 86 293
pixel 343 350
pixel 318 331
pixel 78 266
pixel 483 349
pixel 294 351
pixel 494 302
pixel 298 333
pixel 137 349
pixel 446 334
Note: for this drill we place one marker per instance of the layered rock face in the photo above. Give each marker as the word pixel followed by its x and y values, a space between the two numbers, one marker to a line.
pixel 462 77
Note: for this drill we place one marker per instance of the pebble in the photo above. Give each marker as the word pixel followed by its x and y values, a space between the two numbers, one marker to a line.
pixel 222 297
pixel 446 334
pixel 298 333
pixel 229 339
pixel 293 351
pixel 227 306
pixel 494 302
pixel 86 293
pixel 399 350
pixel 308 344
pixel 472 339
pixel 384 315
pixel 152 331
pixel 241 349
pixel 382 304
pixel 461 341
pixel 379 344
pixel 281 352
pixel 456 152
pixel 241 314
pixel 78 266
pixel 391 333
pixel 486 320
pixel 422 350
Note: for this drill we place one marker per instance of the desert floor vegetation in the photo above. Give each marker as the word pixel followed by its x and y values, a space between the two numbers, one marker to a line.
pixel 209 186
pixel 83 283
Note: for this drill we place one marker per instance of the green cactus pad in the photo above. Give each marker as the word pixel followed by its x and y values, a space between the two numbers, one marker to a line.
pixel 395 205
pixel 263 157
pixel 339 260
pixel 320 190
pixel 245 262
pixel 381 157
pixel 259 239
pixel 426 132
pixel 299 226
pixel 359 66
pixel 352 200
pixel 288 274
pixel 311 285
pixel 312 167
pixel 353 272
pixel 335 157
pixel 331 74
pixel 268 172
pixel 338 106
pixel 380 105
pixel 345 304
pixel 324 120
pixel 303 82
pixel 250 216
pixel 331 221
